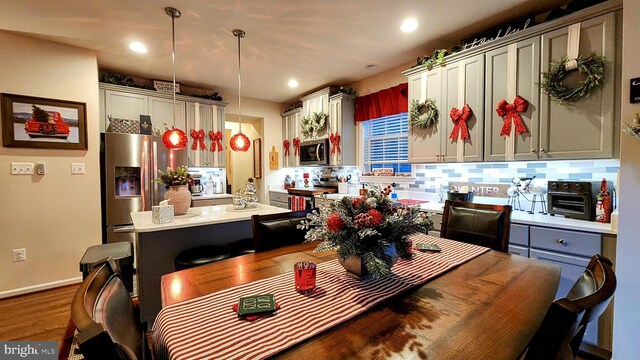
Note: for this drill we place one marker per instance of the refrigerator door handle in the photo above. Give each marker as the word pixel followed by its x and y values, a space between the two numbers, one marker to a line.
pixel 144 176
pixel 154 167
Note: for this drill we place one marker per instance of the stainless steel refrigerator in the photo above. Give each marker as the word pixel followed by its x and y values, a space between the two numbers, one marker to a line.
pixel 130 163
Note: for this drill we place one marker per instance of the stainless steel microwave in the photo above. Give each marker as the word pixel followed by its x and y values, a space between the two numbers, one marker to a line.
pixel 314 152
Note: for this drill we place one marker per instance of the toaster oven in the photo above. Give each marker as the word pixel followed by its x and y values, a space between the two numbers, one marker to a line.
pixel 573 199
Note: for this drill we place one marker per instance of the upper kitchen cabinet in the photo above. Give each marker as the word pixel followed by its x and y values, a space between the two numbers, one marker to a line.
pixel 317 102
pixel 425 144
pixel 161 112
pixel 342 130
pixel 510 71
pixel 290 134
pixel 463 84
pixel 210 119
pixel 121 105
pixel 584 128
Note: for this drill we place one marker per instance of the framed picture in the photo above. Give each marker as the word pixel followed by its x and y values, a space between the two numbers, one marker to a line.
pixel 257 158
pixel 33 122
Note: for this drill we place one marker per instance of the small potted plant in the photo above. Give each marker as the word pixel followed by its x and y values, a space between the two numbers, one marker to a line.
pixel 368 232
pixel 176 182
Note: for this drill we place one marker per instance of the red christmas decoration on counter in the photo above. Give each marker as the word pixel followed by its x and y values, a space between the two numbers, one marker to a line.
pixel 459 118
pixel 335 142
pixel 296 146
pixel 512 113
pixel 198 139
pixel 216 138
pixel 286 144
pixel 603 204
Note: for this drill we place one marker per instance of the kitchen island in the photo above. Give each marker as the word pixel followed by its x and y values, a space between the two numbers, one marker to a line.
pixel 157 245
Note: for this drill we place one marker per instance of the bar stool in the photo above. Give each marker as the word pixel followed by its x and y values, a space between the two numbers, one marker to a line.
pixel 201 256
pixel 243 247
pixel 120 252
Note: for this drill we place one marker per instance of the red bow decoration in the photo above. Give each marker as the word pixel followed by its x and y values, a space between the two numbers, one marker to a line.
pixel 286 144
pixel 459 118
pixel 512 111
pixel 198 138
pixel 216 138
pixel 296 146
pixel 335 142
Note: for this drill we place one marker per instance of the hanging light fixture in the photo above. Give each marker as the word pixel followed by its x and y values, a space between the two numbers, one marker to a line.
pixel 174 138
pixel 239 141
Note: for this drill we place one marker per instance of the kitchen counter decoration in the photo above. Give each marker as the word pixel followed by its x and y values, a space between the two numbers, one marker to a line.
pixel 423 115
pixel 368 232
pixel 176 182
pixel 312 124
pixel 633 129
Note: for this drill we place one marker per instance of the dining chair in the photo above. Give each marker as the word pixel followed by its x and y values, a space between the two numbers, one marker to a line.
pixel 277 230
pixel 562 329
pixel 480 224
pixel 106 318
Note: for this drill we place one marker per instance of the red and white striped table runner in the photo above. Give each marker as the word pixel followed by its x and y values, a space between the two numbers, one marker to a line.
pixel 207 328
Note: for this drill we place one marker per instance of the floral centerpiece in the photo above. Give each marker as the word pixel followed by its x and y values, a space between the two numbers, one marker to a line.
pixel 371 228
pixel 171 177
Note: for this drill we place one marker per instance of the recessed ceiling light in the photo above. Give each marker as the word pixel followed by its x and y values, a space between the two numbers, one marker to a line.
pixel 293 83
pixel 370 66
pixel 138 47
pixel 409 25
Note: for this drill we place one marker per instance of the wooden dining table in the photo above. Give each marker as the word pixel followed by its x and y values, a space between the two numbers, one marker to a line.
pixel 486 308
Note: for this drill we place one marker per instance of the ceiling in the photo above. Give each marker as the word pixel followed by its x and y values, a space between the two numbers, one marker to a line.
pixel 316 42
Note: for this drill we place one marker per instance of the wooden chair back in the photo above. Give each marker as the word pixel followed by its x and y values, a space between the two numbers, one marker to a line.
pixel 277 230
pixel 562 329
pixel 480 224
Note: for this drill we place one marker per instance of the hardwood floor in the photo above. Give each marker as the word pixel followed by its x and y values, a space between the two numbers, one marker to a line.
pixel 43 315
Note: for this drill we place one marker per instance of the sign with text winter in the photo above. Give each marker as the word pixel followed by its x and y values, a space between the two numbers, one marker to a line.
pixel 165 86
pixel 483 189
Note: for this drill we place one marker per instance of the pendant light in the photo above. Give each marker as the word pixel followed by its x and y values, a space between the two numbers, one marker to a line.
pixel 239 141
pixel 174 138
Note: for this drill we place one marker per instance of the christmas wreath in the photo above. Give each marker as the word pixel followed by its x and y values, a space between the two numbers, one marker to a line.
pixel 634 128
pixel 423 115
pixel 552 82
pixel 313 123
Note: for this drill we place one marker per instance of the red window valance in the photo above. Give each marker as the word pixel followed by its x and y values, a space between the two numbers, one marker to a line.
pixel 385 102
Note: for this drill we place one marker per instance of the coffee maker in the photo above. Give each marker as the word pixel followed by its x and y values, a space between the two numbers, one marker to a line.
pixel 196 188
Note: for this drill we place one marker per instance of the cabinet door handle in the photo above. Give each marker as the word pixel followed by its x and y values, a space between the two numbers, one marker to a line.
pixel 562 242
pixel 542 150
pixel 533 151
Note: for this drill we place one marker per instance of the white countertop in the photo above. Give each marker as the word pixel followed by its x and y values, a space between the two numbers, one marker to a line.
pixel 279 191
pixel 211 196
pixel 199 216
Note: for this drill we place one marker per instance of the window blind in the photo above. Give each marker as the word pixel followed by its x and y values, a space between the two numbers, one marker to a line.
pixel 385 143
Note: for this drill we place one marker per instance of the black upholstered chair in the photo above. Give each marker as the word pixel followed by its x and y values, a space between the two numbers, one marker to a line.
pixel 277 230
pixel 106 317
pixel 562 329
pixel 480 224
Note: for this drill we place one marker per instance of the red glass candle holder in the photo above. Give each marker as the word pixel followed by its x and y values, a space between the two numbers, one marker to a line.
pixel 305 276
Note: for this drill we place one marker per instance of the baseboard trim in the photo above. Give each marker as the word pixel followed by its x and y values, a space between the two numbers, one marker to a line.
pixel 40 287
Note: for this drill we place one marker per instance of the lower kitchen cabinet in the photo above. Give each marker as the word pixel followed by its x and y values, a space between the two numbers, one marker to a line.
pixel 211 202
pixel 279 199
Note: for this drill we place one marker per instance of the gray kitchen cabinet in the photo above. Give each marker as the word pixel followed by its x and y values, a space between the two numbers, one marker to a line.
pixel 279 199
pixel 290 130
pixel 207 117
pixel 519 250
pixel 519 235
pixel 341 121
pixel 122 105
pixel 524 57
pixel 211 202
pixel 425 144
pixel 317 102
pixel 583 129
pixel 161 112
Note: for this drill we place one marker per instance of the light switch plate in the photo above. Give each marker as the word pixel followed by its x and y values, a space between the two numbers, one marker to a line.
pixel 77 168
pixel 21 168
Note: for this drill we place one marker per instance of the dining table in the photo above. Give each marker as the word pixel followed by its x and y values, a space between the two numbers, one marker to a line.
pixel 488 307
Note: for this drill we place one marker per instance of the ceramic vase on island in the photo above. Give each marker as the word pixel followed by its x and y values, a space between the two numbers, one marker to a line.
pixel 180 197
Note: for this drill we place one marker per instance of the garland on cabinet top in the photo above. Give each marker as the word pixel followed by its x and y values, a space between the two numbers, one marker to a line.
pixel 313 123
pixel 553 81
pixel 633 129
pixel 423 115
pixel 125 80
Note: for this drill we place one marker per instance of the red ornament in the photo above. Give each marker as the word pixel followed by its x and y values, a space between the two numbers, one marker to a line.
pixel 334 223
pixel 355 202
pixel 216 138
pixel 335 142
pixel 286 144
pixel 296 146
pixel 240 142
pixel 198 139
pixel 174 138
pixel 376 217
pixel 459 118
pixel 512 113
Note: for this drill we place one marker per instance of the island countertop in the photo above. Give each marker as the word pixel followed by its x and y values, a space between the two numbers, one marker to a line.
pixel 198 216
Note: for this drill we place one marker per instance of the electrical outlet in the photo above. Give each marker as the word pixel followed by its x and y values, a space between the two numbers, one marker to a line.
pixel 21 168
pixel 40 170
pixel 77 168
pixel 19 254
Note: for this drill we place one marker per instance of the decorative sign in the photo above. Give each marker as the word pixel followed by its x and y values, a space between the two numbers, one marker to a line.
pixel 383 172
pixel 273 158
pixel 145 124
pixel 497 33
pixel 165 86
pixel 256 304
pixel 634 90
pixel 485 189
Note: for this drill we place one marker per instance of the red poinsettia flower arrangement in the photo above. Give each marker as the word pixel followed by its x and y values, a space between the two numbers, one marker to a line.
pixel 366 226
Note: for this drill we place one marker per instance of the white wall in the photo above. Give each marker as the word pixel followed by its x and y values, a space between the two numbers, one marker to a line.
pixel 626 326
pixel 55 216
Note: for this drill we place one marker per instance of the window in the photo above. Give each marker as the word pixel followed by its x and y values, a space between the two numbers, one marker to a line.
pixel 385 143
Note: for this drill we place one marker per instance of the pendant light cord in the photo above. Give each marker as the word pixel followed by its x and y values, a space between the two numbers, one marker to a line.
pixel 173 13
pixel 239 34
